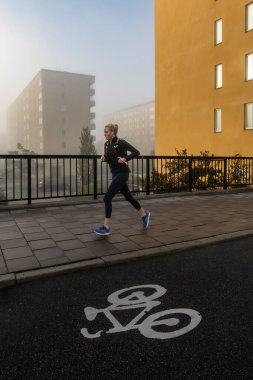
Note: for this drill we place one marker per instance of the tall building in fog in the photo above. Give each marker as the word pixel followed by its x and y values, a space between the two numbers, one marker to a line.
pixel 136 125
pixel 49 114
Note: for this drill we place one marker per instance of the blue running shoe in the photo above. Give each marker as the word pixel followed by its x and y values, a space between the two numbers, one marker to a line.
pixel 145 219
pixel 103 231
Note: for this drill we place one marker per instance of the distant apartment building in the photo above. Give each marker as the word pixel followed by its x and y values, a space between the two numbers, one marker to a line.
pixel 204 76
pixel 136 125
pixel 49 114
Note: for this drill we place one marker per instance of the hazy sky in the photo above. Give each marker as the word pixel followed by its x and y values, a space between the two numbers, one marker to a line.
pixel 111 39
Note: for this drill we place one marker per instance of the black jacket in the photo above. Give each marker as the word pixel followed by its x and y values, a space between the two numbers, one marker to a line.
pixel 118 148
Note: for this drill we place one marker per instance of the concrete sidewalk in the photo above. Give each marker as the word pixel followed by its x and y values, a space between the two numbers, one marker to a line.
pixel 44 241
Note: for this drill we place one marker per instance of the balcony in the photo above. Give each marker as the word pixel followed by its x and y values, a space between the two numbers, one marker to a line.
pixel 92 126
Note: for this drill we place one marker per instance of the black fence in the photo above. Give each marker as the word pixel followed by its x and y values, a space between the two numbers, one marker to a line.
pixel 28 178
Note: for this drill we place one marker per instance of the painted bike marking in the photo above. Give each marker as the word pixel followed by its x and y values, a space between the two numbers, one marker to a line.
pixel 135 300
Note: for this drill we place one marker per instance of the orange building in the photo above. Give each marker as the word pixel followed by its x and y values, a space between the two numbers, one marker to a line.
pixel 204 76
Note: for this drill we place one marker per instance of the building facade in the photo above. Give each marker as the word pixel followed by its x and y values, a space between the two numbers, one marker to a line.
pixel 49 114
pixel 204 76
pixel 136 125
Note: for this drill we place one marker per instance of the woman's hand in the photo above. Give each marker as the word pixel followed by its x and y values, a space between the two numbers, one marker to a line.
pixel 121 160
pixel 103 158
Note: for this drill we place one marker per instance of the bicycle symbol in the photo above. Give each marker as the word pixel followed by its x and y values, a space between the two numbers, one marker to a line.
pixel 138 300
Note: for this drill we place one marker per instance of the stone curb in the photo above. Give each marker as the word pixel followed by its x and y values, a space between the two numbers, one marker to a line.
pixel 7 280
pixel 119 258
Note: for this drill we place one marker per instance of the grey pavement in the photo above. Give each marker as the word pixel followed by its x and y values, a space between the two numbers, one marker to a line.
pixel 36 242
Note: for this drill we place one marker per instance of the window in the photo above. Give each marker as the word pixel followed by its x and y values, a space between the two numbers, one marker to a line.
pixel 248 116
pixel 218 76
pixel 249 66
pixel 218 32
pixel 40 121
pixel 40 108
pixel 217 120
pixel 249 17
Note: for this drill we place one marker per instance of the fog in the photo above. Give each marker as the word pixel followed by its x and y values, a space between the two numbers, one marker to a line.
pixel 110 39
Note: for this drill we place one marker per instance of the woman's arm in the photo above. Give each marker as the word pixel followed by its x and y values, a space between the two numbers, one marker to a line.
pixel 128 147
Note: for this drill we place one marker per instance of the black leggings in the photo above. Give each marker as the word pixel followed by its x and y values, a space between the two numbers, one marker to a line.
pixel 119 183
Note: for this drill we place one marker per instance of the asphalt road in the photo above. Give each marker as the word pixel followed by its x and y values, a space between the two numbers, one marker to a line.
pixel 52 328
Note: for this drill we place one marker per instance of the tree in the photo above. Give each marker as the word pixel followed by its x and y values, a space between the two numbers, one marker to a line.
pixel 87 148
pixel 21 150
pixel 86 140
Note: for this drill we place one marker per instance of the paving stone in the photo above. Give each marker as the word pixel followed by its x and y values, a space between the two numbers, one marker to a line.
pixel 21 264
pixel 88 237
pixel 14 228
pixel 56 230
pixel 127 246
pixel 116 238
pixel 80 230
pixel 62 236
pixel 37 236
pixel 49 253
pixel 7 223
pixel 10 235
pixel 32 223
pixel 141 239
pixel 13 243
pixel 30 230
pixel 79 254
pixel 70 244
pixel 54 262
pixel 40 244
pixel 15 253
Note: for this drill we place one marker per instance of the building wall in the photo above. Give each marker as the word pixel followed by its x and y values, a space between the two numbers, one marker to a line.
pixel 186 97
pixel 48 116
pixel 136 125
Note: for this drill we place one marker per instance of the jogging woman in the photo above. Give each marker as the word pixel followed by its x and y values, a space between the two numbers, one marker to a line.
pixel 115 154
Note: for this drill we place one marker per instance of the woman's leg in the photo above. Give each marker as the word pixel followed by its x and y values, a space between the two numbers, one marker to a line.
pixel 118 181
pixel 145 215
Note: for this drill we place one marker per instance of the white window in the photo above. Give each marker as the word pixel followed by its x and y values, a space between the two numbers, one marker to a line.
pixel 40 121
pixel 249 17
pixel 249 66
pixel 40 108
pixel 218 31
pixel 248 116
pixel 217 120
pixel 218 76
pixel 41 132
pixel 40 95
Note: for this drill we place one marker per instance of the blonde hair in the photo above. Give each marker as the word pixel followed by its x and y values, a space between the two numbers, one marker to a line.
pixel 113 128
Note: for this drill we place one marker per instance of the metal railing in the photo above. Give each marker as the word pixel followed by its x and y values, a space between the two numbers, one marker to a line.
pixel 34 177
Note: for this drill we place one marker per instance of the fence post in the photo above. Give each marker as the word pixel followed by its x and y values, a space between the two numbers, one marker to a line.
pixel 29 180
pixel 190 174
pixel 95 179
pixel 225 185
pixel 147 177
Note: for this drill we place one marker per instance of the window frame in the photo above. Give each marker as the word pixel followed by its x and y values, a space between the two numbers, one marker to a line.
pixel 216 130
pixel 217 76
pixel 245 116
pixel 247 29
pixel 216 32
pixel 247 67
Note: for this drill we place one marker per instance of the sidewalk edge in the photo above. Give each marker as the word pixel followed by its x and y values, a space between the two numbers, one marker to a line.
pixel 11 279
